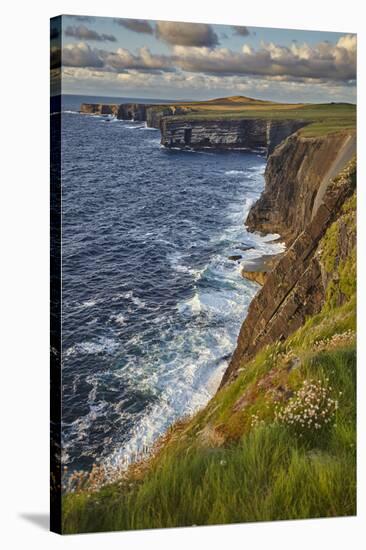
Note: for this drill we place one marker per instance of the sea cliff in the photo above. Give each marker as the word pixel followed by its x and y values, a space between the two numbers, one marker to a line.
pixel 278 439
pixel 252 134
pixel 308 181
pixel 99 109
pixel 180 129
pixel 297 175
pixel 301 200
pixel 141 112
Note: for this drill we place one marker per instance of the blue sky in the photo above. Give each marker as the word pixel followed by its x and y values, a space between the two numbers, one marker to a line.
pixel 167 60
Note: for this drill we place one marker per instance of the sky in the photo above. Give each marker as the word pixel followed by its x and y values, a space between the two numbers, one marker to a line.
pixel 104 56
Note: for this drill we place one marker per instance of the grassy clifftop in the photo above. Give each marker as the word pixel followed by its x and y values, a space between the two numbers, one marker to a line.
pixel 241 459
pixel 276 443
pixel 322 118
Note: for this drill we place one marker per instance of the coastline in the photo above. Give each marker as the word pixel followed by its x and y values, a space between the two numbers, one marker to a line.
pixel 235 214
pixel 297 342
pixel 137 463
pixel 256 266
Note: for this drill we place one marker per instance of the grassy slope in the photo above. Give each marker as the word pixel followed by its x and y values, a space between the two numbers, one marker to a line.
pixel 323 118
pixel 234 461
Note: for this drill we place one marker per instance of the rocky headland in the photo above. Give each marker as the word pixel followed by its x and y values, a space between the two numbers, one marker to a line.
pixel 180 128
pixel 99 109
pixel 296 288
pixel 302 195
pixel 224 134
pixel 141 112
pixel 278 439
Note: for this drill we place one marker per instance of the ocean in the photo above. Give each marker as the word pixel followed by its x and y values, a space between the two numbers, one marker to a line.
pixel 151 303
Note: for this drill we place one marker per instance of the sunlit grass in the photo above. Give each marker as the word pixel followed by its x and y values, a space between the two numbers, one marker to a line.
pixel 255 472
pixel 321 119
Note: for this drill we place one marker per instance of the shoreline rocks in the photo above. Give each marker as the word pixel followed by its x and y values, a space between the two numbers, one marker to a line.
pixel 258 277
pixel 99 109
pixel 257 269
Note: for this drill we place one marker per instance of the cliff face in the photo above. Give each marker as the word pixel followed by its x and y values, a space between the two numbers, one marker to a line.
pixel 296 177
pixel 226 133
pixel 151 114
pixel 295 360
pixel 99 109
pixel 155 114
pixel 187 132
pixel 301 281
pixel 142 112
pixel 132 111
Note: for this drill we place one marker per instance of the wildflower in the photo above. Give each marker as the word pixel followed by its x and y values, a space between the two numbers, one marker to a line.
pixel 310 407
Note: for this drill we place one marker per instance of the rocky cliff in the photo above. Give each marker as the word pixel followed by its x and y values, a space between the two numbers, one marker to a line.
pixel 179 130
pixel 132 111
pixel 296 175
pixel 155 114
pixel 143 112
pixel 124 111
pixel 297 172
pixel 226 133
pixel 284 417
pixel 99 109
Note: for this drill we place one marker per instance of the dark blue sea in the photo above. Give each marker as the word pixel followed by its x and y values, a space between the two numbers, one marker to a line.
pixel 151 304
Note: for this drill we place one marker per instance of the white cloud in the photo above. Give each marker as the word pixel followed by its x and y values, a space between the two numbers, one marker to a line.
pixel 323 61
pixel 189 85
pixel 123 59
pixel 81 55
pixel 298 72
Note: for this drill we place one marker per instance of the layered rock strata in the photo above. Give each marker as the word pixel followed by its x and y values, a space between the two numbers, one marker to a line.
pixel 250 133
pixel 181 131
pixel 296 287
pixel 297 174
pixel 99 109
pixel 308 181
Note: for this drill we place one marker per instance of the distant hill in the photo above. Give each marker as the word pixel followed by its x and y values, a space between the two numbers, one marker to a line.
pixel 237 99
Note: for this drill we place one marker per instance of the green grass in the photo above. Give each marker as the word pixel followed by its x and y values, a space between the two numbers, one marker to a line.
pixel 259 473
pixel 321 119
pixel 267 476
pixel 335 256
pixel 235 460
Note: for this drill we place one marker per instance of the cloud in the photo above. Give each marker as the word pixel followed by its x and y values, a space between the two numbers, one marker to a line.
pixel 122 60
pixel 182 85
pixel 81 32
pixel 241 31
pixel 81 55
pixel 136 25
pixel 186 34
pixel 322 61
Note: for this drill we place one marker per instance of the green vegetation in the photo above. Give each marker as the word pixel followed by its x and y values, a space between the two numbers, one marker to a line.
pixel 234 461
pixel 322 119
pixel 279 442
pixel 338 255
